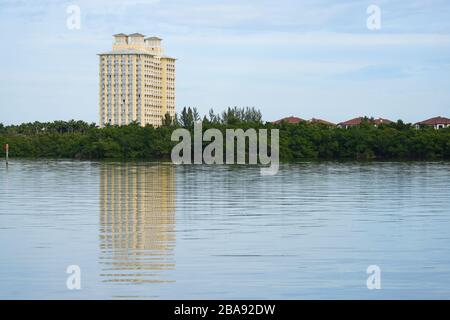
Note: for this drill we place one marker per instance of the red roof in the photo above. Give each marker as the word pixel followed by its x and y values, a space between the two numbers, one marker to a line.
pixel 435 121
pixel 357 121
pixel 352 122
pixel 289 120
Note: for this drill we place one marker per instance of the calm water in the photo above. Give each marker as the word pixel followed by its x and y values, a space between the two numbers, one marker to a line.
pixel 156 231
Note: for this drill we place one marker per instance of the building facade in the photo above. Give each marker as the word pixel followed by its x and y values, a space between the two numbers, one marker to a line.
pixel 137 82
pixel 436 122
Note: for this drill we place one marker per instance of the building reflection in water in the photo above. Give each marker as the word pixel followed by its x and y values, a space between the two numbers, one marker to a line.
pixel 137 223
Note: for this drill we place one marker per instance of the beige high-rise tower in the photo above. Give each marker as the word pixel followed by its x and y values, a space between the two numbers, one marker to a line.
pixel 137 82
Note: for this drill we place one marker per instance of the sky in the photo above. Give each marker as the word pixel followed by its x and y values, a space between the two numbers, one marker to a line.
pixel 314 58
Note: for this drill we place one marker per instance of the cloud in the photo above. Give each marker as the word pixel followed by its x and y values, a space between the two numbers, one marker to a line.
pixel 316 39
pixel 312 57
pixel 377 72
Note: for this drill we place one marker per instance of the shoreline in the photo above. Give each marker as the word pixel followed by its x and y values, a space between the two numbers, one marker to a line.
pixel 168 162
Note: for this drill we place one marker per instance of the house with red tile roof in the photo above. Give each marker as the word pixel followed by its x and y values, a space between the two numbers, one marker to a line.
pixel 436 123
pixel 290 119
pixel 359 120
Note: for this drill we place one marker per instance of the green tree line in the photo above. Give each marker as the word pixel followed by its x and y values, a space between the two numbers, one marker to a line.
pixel 80 140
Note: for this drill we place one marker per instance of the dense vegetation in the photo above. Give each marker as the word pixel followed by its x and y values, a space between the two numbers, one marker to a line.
pixel 80 140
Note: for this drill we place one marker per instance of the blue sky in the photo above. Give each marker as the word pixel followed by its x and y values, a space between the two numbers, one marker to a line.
pixel 312 58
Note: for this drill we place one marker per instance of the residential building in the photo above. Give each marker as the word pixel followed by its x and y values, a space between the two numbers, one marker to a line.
pixel 436 123
pixel 359 120
pixel 137 82
pixel 290 119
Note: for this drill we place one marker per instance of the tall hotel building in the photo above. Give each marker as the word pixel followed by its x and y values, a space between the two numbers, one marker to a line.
pixel 137 82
